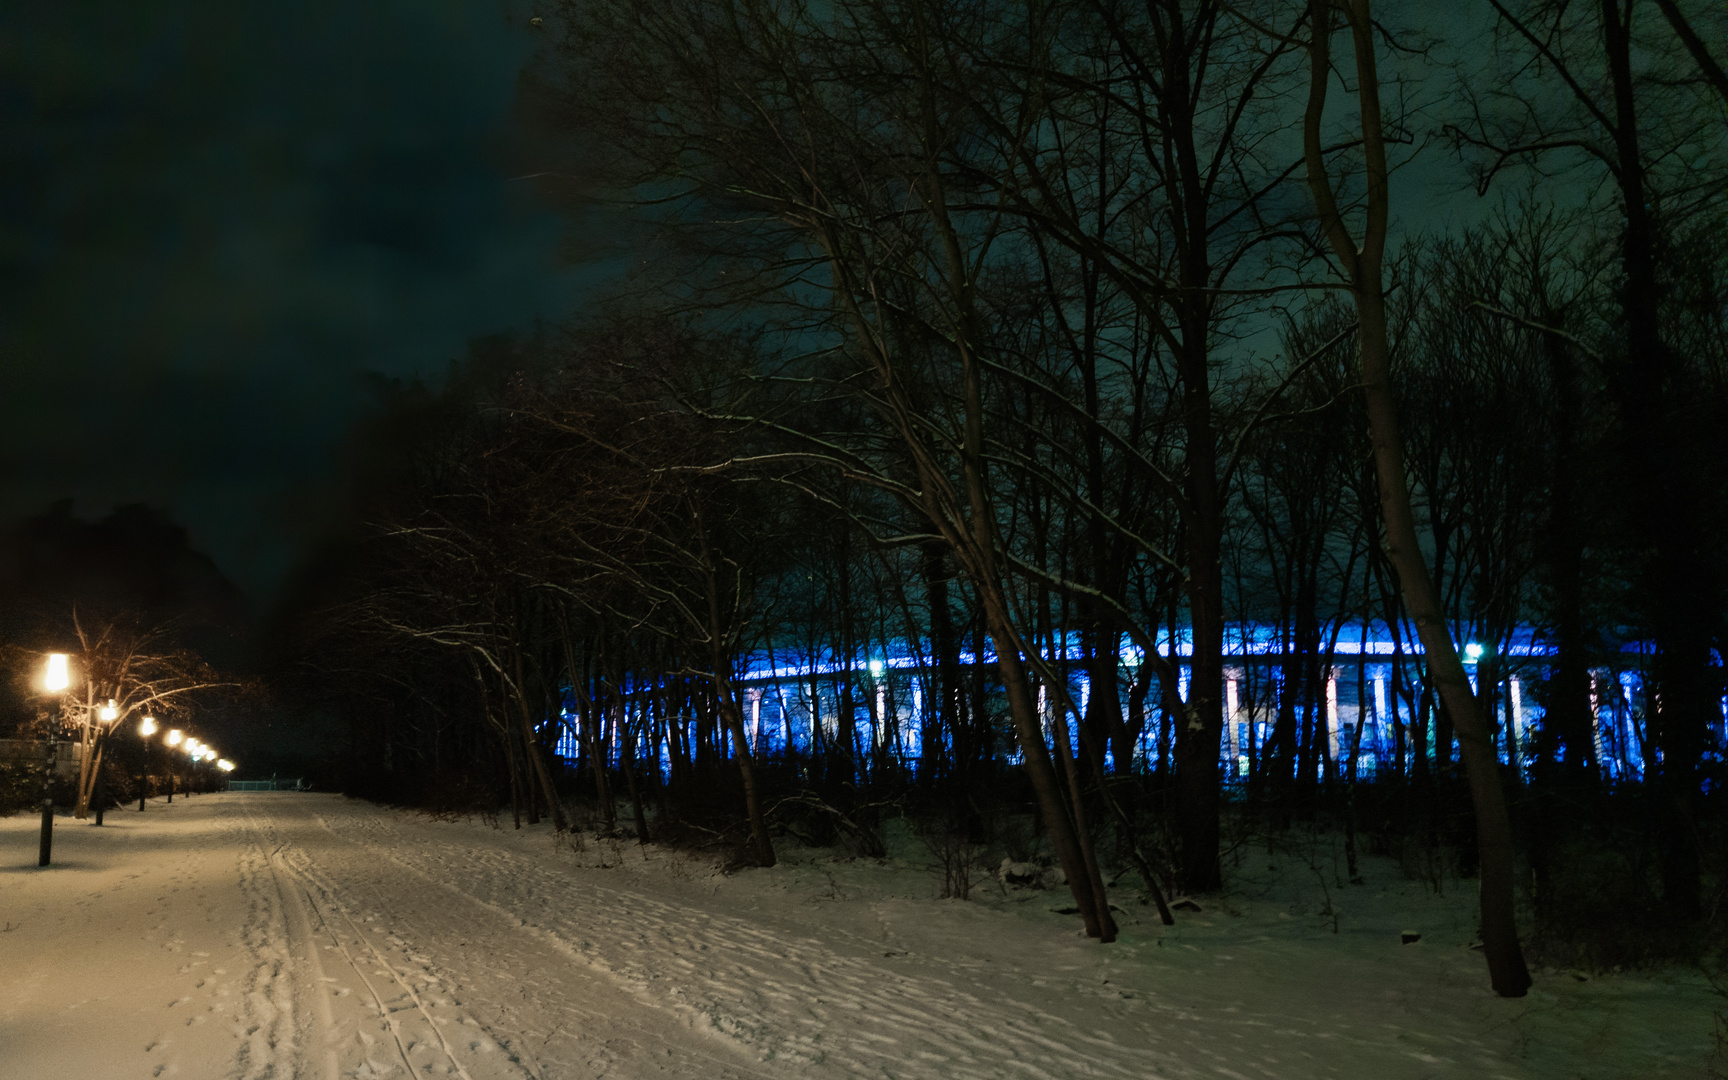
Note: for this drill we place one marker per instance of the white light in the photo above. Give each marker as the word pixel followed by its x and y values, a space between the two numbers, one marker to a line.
pixel 59 672
pixel 875 667
pixel 109 712
pixel 147 726
pixel 1472 652
pixel 174 737
pixel 225 765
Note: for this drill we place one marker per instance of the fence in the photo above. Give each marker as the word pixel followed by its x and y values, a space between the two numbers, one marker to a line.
pixel 271 784
pixel 67 755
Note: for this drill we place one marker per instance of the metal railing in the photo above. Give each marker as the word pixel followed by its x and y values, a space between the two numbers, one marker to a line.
pixel 272 784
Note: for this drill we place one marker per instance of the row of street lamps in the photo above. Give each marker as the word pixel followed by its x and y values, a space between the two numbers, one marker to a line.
pixel 56 679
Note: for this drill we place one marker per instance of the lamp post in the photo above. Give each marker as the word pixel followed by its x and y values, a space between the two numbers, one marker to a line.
pixel 202 756
pixel 56 680
pixel 146 728
pixel 174 738
pixel 107 714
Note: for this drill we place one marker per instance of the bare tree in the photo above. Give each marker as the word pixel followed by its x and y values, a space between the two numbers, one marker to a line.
pixel 139 669
pixel 1361 264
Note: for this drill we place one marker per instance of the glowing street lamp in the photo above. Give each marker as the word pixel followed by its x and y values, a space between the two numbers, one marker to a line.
pixel 192 751
pixel 107 714
pixel 174 739
pixel 55 680
pixel 198 752
pixel 146 728
pixel 59 675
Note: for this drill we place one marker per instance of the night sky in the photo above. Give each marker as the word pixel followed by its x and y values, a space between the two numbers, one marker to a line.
pixel 217 217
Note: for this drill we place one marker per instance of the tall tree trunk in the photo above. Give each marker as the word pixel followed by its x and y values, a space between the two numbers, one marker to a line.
pixel 1684 600
pixel 1507 972
pixel 86 778
pixel 531 747
pixel 730 714
pixel 592 746
pixel 632 736
pixel 1565 739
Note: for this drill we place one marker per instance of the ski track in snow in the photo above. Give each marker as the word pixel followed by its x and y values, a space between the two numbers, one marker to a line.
pixel 275 936
pixel 411 978
pixel 795 999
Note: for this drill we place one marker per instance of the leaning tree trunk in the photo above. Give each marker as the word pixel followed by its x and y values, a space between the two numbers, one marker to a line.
pixel 730 715
pixel 86 778
pixel 963 514
pixel 1506 969
pixel 531 748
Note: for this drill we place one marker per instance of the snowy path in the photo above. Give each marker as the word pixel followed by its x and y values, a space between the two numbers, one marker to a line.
pixel 292 935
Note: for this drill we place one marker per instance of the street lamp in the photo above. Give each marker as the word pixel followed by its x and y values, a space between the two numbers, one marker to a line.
pixel 195 751
pixel 146 728
pixel 55 680
pixel 206 757
pixel 107 714
pixel 59 675
pixel 174 738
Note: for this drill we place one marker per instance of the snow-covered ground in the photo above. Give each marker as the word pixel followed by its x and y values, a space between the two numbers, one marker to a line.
pixel 302 935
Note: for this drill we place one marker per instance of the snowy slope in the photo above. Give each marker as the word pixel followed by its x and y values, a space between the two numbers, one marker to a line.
pixel 277 935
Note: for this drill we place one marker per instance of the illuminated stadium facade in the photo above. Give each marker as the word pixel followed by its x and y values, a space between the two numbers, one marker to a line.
pixel 1363 692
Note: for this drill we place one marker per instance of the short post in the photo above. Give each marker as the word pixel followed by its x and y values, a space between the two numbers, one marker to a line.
pixel 47 804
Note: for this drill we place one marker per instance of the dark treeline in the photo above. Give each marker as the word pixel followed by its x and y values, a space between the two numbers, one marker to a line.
pixel 1046 336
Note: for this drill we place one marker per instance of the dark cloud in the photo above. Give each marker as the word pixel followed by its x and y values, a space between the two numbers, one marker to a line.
pixel 215 216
